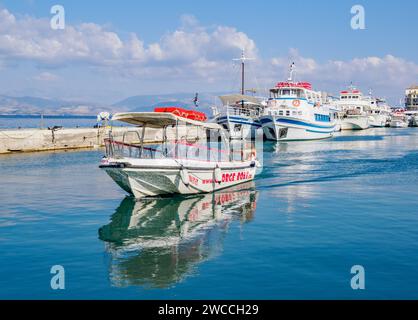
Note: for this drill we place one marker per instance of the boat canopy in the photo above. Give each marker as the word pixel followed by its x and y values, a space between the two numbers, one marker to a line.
pixel 159 120
pixel 238 98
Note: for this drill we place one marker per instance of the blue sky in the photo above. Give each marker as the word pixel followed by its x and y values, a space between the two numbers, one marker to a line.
pixel 316 34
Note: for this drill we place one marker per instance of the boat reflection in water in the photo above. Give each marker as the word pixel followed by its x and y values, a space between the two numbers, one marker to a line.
pixel 156 243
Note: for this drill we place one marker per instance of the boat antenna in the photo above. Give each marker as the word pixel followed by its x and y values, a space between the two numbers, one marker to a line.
pixel 243 59
pixel 291 72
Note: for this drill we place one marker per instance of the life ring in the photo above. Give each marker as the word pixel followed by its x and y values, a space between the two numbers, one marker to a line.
pixel 296 103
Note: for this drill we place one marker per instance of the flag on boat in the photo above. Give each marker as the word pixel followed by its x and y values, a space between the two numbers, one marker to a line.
pixel 196 100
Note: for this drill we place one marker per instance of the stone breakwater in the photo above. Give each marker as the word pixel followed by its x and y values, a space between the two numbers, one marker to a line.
pixel 36 140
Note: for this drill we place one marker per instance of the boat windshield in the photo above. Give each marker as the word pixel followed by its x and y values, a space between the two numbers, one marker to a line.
pixel 181 141
pixel 287 92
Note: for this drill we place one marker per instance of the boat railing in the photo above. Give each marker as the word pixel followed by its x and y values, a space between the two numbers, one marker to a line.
pixel 245 111
pixel 182 149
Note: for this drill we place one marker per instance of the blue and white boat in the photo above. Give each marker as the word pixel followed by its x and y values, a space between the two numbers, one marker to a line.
pixel 296 112
pixel 239 115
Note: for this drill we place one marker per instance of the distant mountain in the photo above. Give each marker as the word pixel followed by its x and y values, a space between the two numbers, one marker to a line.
pixel 27 105
pixel 34 105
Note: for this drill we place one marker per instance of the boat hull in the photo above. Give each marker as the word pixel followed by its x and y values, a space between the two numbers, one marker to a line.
pixel 414 121
pixel 239 126
pixel 150 178
pixel 354 123
pixel 378 121
pixel 293 129
pixel 398 124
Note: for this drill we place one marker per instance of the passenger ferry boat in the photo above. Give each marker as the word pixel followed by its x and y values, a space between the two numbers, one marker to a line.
pixel 240 113
pixel 354 109
pixel 295 112
pixel 192 157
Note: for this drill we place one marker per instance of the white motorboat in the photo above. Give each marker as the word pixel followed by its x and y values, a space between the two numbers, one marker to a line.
pixel 399 120
pixel 354 110
pixel 295 112
pixel 413 118
pixel 192 157
pixel 380 113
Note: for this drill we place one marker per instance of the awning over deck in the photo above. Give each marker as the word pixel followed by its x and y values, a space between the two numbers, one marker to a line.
pixel 159 120
pixel 232 99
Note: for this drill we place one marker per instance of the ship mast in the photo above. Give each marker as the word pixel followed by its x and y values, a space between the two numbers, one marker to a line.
pixel 291 72
pixel 243 59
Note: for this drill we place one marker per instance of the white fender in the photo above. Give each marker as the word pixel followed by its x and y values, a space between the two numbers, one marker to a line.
pixel 218 174
pixel 184 175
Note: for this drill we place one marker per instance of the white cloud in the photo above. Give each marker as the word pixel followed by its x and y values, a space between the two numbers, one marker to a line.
pixel 191 54
pixel 389 74
pixel 32 39
pixel 46 76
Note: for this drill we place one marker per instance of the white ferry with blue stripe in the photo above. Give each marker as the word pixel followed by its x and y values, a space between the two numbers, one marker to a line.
pixel 295 112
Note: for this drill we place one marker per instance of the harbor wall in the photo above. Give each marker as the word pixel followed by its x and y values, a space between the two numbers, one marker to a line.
pixel 36 140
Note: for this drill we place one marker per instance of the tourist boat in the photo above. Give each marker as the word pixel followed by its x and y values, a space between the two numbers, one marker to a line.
pixel 380 113
pixel 191 157
pixel 240 113
pixel 399 120
pixel 354 109
pixel 295 112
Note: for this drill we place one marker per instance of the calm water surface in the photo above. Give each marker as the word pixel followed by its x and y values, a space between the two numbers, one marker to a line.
pixel 317 209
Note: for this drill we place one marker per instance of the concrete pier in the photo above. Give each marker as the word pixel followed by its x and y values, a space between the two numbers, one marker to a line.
pixel 36 140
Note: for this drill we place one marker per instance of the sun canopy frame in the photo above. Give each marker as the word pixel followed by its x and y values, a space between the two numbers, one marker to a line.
pixel 159 120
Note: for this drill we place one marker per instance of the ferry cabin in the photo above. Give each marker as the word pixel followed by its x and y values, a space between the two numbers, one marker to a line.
pixel 354 102
pixel 295 112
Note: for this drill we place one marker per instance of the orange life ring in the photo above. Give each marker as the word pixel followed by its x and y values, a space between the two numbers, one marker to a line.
pixel 296 103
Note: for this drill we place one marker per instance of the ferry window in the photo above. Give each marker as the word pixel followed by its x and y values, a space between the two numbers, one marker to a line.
pixel 286 92
pixel 300 113
pixel 287 112
pixel 294 113
pixel 280 113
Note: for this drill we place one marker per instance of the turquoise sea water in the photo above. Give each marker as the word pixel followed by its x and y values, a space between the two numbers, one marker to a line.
pixel 317 209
